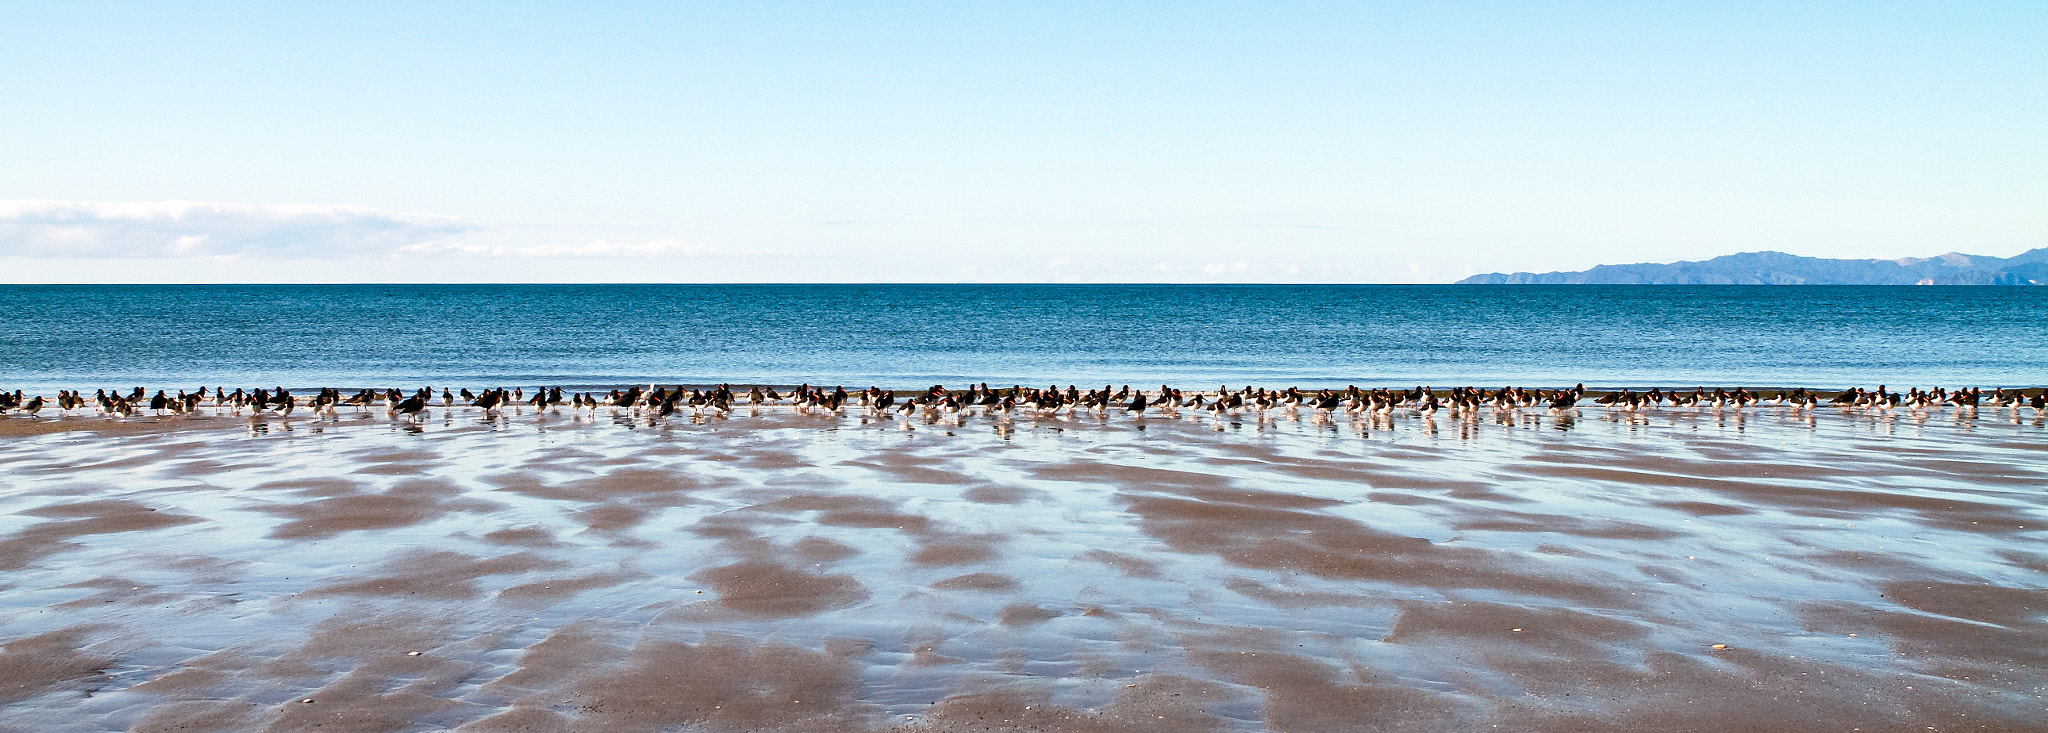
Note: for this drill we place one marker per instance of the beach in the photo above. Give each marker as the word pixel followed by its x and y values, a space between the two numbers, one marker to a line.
pixel 1007 367
pixel 777 569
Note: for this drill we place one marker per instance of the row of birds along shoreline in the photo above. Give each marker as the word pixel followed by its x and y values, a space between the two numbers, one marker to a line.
pixel 665 400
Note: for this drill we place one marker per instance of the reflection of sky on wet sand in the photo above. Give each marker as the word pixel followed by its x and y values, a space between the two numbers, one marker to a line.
pixel 588 571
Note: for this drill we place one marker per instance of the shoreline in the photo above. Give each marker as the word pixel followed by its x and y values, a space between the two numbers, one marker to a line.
pixel 1592 388
pixel 213 418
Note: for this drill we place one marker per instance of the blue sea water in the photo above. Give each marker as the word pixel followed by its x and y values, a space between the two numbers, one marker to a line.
pixel 911 336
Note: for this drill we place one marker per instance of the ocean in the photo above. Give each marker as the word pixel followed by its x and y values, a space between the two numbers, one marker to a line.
pixel 913 336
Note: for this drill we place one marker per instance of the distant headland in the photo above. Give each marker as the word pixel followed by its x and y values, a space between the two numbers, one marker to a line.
pixel 1778 268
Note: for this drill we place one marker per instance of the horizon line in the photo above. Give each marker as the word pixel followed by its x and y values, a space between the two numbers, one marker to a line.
pixel 1030 283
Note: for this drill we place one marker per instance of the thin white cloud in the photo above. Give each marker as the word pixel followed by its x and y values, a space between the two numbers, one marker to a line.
pixel 156 229
pixel 592 250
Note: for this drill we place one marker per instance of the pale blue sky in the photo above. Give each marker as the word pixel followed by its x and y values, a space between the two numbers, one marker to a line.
pixel 1035 142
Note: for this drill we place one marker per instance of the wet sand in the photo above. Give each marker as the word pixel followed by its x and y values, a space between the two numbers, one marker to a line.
pixel 1751 570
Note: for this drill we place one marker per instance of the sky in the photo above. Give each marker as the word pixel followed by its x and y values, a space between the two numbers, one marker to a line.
pixel 1005 142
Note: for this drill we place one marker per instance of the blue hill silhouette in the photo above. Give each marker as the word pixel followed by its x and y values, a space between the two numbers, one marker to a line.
pixel 1778 268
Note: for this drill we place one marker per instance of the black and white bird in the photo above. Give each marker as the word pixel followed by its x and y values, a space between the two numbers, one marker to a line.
pixel 410 406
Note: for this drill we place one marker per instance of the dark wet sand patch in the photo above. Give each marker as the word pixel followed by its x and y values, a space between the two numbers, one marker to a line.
pixel 636 484
pixel 81 519
pixel 2011 445
pixel 821 550
pixel 1841 501
pixel 2034 561
pixel 420 468
pixel 612 517
pixel 20 427
pixel 909 523
pixel 1991 604
pixel 1559 631
pixel 769 459
pixel 978 581
pixel 33 665
pixel 1121 475
pixel 184 716
pixel 1305 694
pixel 1260 498
pixel 1987 656
pixel 1401 499
pixel 1734 465
pixel 528 536
pixel 640 482
pixel 1731 691
pixel 1295 598
pixel 206 675
pixel 74 488
pixel 1150 704
pixel 737 525
pixel 312 487
pixel 845 510
pixel 394 456
pixel 439 574
pixel 1334 547
pixel 1982 472
pixel 1024 614
pixel 1131 566
pixel 912 469
pixel 543 591
pixel 381 674
pixel 1704 508
pixel 365 701
pixel 761 588
pixel 945 550
pixel 1000 494
pixel 116 590
pixel 566 653
pixel 1506 521
pixel 721 684
pixel 407 504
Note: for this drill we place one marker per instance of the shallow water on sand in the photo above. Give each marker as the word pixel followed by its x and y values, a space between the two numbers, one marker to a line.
pixel 803 571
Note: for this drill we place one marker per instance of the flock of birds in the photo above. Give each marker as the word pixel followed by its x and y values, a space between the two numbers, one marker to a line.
pixel 658 401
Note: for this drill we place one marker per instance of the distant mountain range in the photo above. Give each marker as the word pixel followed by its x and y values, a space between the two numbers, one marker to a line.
pixel 1778 268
